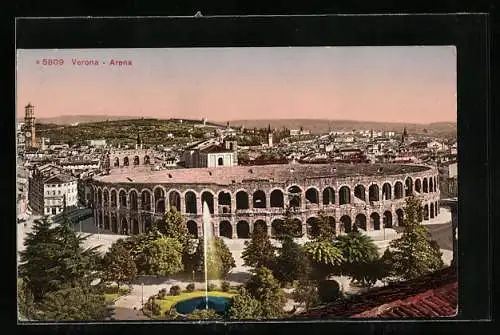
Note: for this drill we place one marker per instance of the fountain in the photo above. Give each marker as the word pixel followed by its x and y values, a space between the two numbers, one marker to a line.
pixel 218 303
pixel 207 236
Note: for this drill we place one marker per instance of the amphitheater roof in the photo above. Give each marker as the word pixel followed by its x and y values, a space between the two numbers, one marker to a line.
pixel 240 174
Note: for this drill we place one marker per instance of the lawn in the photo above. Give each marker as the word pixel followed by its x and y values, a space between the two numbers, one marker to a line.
pixel 169 301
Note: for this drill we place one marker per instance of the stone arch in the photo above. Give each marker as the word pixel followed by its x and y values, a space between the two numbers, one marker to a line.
pixel 148 223
pixel 276 227
pixel 398 190
pixel 114 224
pixel 260 224
pixel 386 191
pixel 425 186
pixel 387 219
pixel 106 222
pixel 159 198
pixel 190 202
pixel 295 196
pixel 174 200
pixel 400 216
pixel 426 212
pixel 99 197
pixel 312 195
pixel 408 187
pixel 431 211
pixel 125 161
pixel 105 195
pixel 360 222
pixel 328 196
pixel 124 227
pixel 147 160
pixel 259 199
pixel 146 200
pixel 344 195
pixel 225 201
pixel 346 224
pixel 135 226
pixel 192 227
pixel 114 198
pixel 242 200
pixel 436 209
pixel 133 200
pixel 136 160
pixel 360 192
pixel 375 221
pixel 418 185
pixel 208 198
pixel 313 226
pixel 116 162
pixel 277 199
pixel 225 229
pixel 122 195
pixel 431 185
pixel 243 229
pixel 373 192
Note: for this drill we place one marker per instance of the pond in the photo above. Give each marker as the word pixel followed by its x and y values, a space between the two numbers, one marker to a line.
pixel 219 304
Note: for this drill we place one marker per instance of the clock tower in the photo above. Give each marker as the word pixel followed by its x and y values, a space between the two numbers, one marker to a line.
pixel 29 125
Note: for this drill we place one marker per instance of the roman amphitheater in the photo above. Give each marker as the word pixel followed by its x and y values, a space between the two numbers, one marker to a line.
pixel 371 197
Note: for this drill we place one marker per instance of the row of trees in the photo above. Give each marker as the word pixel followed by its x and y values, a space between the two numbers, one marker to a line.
pixel 55 267
pixel 309 267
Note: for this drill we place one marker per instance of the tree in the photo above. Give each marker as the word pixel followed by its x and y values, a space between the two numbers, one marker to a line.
pixel 263 287
pixel 244 306
pixel 119 266
pixel 292 262
pixel 325 229
pixel 414 254
pixel 54 259
pixel 324 257
pixel 259 251
pixel 25 301
pixel 358 250
pixel 174 225
pixel 289 227
pixel 306 292
pixel 163 257
pixel 74 304
pixel 219 262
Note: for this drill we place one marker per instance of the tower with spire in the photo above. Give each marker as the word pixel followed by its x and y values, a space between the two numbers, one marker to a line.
pixel 29 125
pixel 139 141
pixel 404 137
pixel 269 136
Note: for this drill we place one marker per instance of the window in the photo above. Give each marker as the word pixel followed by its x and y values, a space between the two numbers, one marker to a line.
pixel 220 161
pixel 53 192
pixel 59 192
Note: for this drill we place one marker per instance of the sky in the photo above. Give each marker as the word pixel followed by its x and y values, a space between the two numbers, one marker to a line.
pixel 413 84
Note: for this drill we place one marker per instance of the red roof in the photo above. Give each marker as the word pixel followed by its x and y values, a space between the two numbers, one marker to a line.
pixel 432 295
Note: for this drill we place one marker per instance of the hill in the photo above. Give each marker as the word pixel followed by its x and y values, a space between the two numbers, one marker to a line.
pixel 70 119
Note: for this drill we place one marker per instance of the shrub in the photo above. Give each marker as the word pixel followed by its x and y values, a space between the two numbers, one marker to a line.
pixel 212 287
pixel 175 290
pixel 190 287
pixel 162 293
pixel 328 290
pixel 124 290
pixel 156 309
pixel 225 286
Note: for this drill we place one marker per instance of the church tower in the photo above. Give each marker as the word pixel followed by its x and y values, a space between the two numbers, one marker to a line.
pixel 29 125
pixel 269 137
pixel 139 141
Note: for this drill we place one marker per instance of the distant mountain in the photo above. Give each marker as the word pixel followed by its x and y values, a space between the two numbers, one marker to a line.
pixel 324 125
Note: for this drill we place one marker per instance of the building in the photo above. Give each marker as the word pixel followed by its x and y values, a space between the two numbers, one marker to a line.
pixel 367 197
pixel 97 143
pixel 50 189
pixel 29 126
pixel 80 165
pixel 210 154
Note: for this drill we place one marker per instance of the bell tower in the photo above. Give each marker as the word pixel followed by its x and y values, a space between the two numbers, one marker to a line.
pixel 29 125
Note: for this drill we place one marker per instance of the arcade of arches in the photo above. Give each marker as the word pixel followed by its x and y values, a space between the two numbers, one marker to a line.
pixel 238 212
